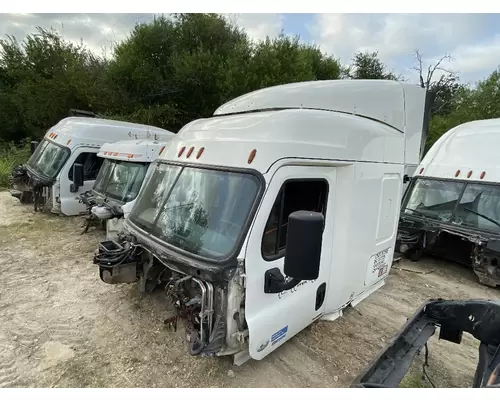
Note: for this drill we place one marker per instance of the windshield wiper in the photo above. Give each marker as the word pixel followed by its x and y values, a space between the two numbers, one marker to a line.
pixel 416 212
pixel 484 216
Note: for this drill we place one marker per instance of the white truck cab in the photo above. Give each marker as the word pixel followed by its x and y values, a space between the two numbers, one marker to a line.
pixel 279 210
pixel 120 179
pixel 72 144
pixel 452 206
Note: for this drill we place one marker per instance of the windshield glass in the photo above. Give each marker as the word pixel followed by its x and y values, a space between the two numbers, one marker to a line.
pixel 201 211
pixel 479 207
pixel 48 158
pixel 434 199
pixel 120 180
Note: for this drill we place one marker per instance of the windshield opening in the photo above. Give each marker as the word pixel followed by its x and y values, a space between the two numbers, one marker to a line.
pixel 120 180
pixel 473 205
pixel 201 211
pixel 479 207
pixel 48 158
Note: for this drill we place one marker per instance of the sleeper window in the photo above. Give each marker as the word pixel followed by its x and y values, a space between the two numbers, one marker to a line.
pixel 295 195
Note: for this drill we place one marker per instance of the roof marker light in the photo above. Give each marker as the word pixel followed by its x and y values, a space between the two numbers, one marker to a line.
pixel 68 142
pixel 161 150
pixel 252 155
pixel 130 156
pixel 469 174
pixel 181 151
pixel 482 175
pixel 115 154
pixel 200 152
pixel 189 151
pixel 457 173
pixel 421 170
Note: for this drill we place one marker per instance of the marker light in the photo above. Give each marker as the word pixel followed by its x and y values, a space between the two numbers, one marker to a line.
pixel 252 155
pixel 200 152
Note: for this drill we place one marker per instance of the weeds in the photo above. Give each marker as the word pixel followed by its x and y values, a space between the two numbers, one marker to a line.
pixel 10 156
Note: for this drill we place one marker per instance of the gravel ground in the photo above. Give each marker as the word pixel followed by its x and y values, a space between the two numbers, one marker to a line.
pixel 62 327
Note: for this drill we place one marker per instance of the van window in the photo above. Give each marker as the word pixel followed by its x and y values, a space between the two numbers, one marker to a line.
pixel 295 195
pixel 91 166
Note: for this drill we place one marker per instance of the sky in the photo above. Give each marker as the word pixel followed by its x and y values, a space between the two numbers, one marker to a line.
pixel 473 40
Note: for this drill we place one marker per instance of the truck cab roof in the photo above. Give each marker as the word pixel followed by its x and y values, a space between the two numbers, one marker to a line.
pixel 94 132
pixel 465 152
pixel 135 150
pixel 366 120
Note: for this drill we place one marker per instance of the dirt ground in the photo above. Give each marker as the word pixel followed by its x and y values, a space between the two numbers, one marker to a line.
pixel 60 326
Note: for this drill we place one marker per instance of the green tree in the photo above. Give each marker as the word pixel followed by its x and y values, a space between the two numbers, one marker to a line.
pixel 444 90
pixel 285 60
pixel 469 104
pixel 183 67
pixel 42 78
pixel 367 65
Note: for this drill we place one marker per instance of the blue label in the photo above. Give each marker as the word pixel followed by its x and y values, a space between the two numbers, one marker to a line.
pixel 276 337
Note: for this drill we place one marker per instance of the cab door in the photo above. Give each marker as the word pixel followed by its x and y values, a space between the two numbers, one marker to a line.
pixel 274 318
pixel 87 156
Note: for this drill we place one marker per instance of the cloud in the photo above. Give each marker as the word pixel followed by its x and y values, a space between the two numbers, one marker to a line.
pixel 397 36
pixel 477 61
pixel 259 26
pixel 100 32
pixel 472 39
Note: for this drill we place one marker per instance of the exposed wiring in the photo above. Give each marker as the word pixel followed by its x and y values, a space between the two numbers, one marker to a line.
pixel 112 258
pixel 426 364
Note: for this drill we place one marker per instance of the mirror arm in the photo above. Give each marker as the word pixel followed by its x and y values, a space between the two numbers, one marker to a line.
pixel 275 282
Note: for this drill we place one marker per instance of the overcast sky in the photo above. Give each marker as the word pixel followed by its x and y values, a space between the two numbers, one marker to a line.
pixel 472 39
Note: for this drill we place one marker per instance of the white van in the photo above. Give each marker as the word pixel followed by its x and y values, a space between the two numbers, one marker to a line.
pixel 452 206
pixel 279 210
pixel 71 144
pixel 120 179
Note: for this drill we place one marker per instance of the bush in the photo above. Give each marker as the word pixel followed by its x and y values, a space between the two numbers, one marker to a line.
pixel 10 156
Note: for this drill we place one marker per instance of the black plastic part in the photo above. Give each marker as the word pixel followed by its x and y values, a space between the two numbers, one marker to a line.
pixel 451 335
pixel 320 296
pixel 489 358
pixel 33 146
pixel 392 364
pixel 303 245
pixel 81 113
pixel 77 177
pixel 480 318
pixel 275 282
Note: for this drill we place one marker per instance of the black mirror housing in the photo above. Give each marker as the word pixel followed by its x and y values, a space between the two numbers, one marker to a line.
pixel 303 245
pixel 33 146
pixel 77 177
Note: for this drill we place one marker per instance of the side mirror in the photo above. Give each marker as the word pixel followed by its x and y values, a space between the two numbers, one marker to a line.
pixel 303 245
pixel 406 179
pixel 77 177
pixel 303 252
pixel 34 145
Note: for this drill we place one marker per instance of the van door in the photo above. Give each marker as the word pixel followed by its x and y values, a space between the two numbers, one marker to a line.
pixel 86 156
pixel 274 318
